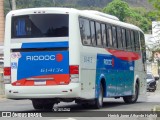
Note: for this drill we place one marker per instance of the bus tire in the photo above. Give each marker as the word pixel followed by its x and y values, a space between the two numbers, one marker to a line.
pixel 99 100
pixel 48 106
pixel 37 104
pixel 132 98
pixel 40 104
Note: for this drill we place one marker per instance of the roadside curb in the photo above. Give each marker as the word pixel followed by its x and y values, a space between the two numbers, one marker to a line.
pixel 156 108
pixel 2 96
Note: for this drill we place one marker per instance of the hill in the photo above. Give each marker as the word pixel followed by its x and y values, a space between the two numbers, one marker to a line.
pixel 102 3
pixel 80 4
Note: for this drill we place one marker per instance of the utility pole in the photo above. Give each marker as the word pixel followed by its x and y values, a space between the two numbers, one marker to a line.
pixel 13 4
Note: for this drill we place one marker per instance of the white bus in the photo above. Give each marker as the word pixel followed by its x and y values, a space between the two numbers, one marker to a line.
pixel 63 54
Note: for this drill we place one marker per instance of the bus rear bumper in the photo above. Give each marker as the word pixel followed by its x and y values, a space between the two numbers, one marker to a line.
pixel 71 90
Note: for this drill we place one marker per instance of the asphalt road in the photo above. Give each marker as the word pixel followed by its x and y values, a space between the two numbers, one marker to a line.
pixel 144 104
pixel 152 99
pixel 109 105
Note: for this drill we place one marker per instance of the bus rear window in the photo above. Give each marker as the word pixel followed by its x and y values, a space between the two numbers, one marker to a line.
pixel 40 25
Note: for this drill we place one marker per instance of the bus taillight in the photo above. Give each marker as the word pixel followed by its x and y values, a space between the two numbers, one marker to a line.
pixel 74 73
pixel 7 71
pixel 7 75
pixel 74 69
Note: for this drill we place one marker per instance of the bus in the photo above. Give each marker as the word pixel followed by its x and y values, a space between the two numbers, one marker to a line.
pixel 64 54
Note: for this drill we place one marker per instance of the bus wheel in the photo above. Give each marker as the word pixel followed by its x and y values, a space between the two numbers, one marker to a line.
pixel 99 100
pixel 41 104
pixel 37 104
pixel 133 98
pixel 48 106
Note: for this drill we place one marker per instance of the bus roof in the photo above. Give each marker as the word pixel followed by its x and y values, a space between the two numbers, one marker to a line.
pixel 91 14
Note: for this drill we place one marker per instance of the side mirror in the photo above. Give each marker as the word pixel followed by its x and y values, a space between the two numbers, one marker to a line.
pixel 156 78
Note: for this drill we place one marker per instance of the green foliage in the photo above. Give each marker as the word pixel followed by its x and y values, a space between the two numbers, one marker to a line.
pixel 152 15
pixel 79 4
pixel 156 3
pixel 20 4
pixel 118 8
pixel 7 6
pixel 33 3
pixel 156 13
pixel 136 16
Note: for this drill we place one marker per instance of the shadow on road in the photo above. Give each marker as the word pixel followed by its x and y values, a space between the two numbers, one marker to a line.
pixel 107 106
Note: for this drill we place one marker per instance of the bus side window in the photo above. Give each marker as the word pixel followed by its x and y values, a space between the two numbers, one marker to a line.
pixel 85 31
pixel 128 40
pixel 109 36
pixel 104 35
pixel 93 33
pixel 124 38
pixel 132 41
pixel 137 45
pixel 98 34
pixel 114 36
pixel 119 37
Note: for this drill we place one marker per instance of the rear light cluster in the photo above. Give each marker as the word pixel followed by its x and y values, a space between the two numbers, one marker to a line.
pixel 73 69
pixel 7 75
pixel 74 73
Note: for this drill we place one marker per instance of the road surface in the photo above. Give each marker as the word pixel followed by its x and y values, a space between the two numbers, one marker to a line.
pixel 152 99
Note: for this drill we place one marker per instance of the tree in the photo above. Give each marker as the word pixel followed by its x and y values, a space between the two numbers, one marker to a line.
pixel 118 8
pixel 156 4
pixel 136 16
pixel 13 4
pixel 139 18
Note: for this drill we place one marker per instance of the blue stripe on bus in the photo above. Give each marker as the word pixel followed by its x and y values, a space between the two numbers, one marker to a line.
pixel 45 44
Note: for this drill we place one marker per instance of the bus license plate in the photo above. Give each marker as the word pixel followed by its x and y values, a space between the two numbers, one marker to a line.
pixel 40 82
